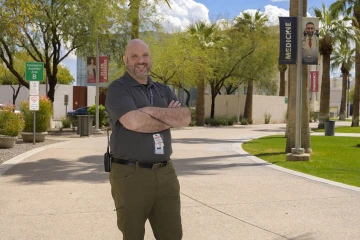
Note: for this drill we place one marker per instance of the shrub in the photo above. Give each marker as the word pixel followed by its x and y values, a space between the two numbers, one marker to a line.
pixel 267 117
pixel 220 121
pixel 102 115
pixel 66 122
pixel 11 123
pixel 43 116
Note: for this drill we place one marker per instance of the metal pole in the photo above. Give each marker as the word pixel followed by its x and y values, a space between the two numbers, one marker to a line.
pixel 299 81
pixel 97 87
pixel 34 128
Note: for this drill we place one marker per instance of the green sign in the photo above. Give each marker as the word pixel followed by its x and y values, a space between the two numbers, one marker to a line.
pixel 34 71
pixel 286 100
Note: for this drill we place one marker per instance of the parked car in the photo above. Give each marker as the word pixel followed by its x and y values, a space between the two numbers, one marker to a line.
pixel 79 111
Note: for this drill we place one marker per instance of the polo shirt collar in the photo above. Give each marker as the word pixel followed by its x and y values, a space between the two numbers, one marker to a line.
pixel 135 83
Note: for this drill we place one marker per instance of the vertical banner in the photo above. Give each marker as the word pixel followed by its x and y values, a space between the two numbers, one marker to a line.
pixel 104 66
pixel 288 40
pixel 314 81
pixel 310 42
pixel 91 69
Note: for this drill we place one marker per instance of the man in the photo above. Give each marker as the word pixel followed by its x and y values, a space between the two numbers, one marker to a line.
pixel 143 181
pixel 310 45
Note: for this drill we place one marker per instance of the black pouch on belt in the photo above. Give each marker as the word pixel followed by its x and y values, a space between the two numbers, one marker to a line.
pixel 107 156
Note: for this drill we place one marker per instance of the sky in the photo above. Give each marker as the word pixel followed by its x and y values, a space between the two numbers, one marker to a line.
pixel 184 12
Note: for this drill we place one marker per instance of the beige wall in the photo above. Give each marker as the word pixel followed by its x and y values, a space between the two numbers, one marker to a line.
pixel 232 105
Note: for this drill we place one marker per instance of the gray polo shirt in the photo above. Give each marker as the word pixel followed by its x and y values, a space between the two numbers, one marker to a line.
pixel 124 95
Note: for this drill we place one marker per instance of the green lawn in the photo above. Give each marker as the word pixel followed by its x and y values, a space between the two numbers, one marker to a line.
pixel 341 129
pixel 333 158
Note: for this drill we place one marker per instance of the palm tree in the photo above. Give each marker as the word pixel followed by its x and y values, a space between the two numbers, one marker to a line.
pixel 282 69
pixel 205 35
pixel 351 8
pixel 343 57
pixel 255 26
pixel 134 10
pixel 333 31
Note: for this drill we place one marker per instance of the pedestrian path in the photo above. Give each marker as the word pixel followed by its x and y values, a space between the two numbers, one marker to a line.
pixel 61 192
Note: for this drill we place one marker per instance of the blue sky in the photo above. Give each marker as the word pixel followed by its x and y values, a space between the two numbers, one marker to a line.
pixel 234 7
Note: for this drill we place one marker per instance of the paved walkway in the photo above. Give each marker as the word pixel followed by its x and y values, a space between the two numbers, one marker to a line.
pixel 61 192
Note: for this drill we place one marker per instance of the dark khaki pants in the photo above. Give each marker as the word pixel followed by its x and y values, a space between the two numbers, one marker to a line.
pixel 143 193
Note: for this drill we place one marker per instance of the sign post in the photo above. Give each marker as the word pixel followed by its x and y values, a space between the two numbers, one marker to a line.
pixel 34 72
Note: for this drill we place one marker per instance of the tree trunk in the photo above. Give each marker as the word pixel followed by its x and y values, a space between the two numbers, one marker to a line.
pixel 355 116
pixel 291 113
pixel 305 118
pixel 249 100
pixel 187 97
pixel 343 97
pixel 325 91
pixel 282 84
pixel 134 18
pixel 200 103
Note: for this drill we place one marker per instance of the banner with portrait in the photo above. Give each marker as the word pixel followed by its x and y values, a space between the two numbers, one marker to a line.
pixel 310 41
pixel 91 69
pixel 288 40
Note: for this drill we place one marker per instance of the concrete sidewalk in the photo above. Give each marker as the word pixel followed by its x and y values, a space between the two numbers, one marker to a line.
pixel 60 191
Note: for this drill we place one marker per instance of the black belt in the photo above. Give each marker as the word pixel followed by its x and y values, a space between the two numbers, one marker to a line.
pixel 140 164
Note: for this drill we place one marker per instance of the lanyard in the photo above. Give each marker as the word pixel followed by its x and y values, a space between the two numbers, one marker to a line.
pixel 151 98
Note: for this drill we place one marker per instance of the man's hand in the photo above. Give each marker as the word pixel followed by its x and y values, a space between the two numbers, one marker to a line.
pixel 174 104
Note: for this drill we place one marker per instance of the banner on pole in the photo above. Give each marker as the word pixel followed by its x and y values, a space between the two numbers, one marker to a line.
pixel 314 81
pixel 91 69
pixel 310 41
pixel 104 66
pixel 288 40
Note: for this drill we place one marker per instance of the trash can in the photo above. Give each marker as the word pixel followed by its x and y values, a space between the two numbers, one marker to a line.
pixel 84 125
pixel 329 128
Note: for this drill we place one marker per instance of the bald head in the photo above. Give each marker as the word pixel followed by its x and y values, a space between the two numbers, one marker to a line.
pixel 137 60
pixel 135 43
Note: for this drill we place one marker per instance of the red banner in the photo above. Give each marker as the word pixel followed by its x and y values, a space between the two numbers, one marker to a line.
pixel 314 81
pixel 104 66
pixel 91 69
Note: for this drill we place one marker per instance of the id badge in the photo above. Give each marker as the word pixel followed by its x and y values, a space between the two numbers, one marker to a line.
pixel 158 143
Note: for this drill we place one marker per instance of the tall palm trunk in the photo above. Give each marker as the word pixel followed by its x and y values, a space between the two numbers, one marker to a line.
pixel 343 95
pixel 134 18
pixel 249 100
pixel 305 127
pixel 325 90
pixel 355 116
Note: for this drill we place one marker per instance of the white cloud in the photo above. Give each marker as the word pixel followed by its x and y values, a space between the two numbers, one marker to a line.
pixel 182 13
pixel 280 0
pixel 272 12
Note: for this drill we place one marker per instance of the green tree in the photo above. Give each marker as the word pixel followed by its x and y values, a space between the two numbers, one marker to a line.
pixel 174 60
pixel 49 31
pixel 334 30
pixel 343 57
pixel 64 76
pixel 256 30
pixel 205 34
pixel 352 8
pixel 135 6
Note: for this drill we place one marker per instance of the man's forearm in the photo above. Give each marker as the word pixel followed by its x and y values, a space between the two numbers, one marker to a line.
pixel 174 117
pixel 142 122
